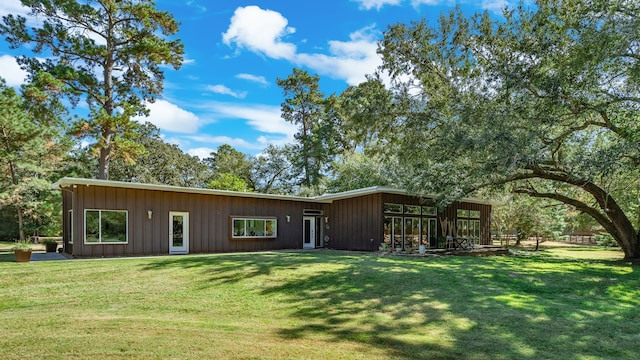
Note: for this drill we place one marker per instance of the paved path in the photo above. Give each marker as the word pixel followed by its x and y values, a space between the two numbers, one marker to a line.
pixel 46 256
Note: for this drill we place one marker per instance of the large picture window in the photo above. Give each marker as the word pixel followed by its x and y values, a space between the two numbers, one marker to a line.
pixel 254 228
pixel 105 227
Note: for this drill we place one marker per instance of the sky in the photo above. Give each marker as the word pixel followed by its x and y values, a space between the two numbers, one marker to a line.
pixel 226 91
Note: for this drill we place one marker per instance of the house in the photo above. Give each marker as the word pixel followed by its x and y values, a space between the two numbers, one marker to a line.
pixel 112 218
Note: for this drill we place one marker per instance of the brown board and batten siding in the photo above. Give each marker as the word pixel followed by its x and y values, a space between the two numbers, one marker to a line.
pixel 353 220
pixel 355 223
pixel 209 220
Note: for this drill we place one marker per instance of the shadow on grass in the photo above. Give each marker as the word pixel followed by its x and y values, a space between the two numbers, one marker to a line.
pixel 525 307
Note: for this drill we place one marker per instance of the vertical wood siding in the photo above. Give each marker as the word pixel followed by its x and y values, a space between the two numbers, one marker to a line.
pixel 356 223
pixel 353 224
pixel 209 220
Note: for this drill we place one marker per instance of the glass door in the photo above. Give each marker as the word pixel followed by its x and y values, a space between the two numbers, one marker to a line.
pixel 178 232
pixel 309 231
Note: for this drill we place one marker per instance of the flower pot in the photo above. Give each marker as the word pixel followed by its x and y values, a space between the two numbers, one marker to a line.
pixel 23 256
pixel 51 247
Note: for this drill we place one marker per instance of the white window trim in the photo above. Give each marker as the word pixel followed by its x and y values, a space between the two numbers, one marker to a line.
pixel 393 212
pixel 100 221
pixel 70 219
pixel 245 236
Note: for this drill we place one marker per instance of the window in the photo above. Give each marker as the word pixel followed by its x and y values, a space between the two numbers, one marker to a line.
pixel 429 210
pixel 254 228
pixel 393 208
pixel 412 209
pixel 463 213
pixel 105 227
pixel 463 226
pixel 474 214
pixel 70 226
pixel 411 232
pixel 474 231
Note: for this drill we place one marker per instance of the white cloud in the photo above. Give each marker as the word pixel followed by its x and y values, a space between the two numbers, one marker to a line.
pixel 417 3
pixel 201 152
pixel 11 71
pixel 260 31
pixel 349 60
pixel 254 78
pixel 262 118
pixel 377 4
pixel 13 7
pixel 197 6
pixel 170 117
pixel 495 6
pixel 221 89
pixel 220 140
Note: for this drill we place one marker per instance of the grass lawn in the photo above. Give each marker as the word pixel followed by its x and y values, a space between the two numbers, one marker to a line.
pixel 321 305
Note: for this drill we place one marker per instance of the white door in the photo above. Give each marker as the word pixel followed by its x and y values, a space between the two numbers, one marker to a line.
pixel 178 232
pixel 309 233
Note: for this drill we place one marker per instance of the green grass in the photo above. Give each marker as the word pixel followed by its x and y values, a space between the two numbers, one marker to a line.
pixel 321 305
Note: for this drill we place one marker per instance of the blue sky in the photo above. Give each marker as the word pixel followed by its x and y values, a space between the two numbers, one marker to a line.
pixel 226 92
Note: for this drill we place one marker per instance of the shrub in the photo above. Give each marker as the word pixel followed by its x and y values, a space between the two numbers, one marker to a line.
pixel 605 239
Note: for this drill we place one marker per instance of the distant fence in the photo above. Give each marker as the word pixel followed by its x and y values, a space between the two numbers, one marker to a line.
pixel 575 237
pixel 581 237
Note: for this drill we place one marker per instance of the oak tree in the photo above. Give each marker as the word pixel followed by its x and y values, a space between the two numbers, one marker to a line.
pixel 544 101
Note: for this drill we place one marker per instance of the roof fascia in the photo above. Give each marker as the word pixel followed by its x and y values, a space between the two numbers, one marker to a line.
pixel 66 182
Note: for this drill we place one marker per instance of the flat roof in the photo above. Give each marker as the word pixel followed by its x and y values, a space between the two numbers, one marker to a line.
pixel 326 198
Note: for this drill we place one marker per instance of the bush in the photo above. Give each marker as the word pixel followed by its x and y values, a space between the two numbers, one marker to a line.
pixel 605 239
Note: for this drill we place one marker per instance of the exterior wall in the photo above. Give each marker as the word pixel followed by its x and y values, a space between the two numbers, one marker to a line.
pixel 448 214
pixel 209 220
pixel 355 223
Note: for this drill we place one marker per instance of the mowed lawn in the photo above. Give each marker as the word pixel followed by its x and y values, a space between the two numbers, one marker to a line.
pixel 321 305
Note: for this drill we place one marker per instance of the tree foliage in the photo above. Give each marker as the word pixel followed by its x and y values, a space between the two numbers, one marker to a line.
pixel 273 172
pixel 161 163
pixel 545 101
pixel 318 123
pixel 107 52
pixel 355 170
pixel 30 149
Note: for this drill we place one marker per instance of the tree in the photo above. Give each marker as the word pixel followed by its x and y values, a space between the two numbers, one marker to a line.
pixel 356 171
pixel 107 52
pixel 227 160
pixel 545 102
pixel 161 163
pixel 367 110
pixel 318 141
pixel 30 149
pixel 272 171
pixel 228 181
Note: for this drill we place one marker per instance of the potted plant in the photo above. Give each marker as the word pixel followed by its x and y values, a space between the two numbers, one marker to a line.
pixel 50 244
pixel 22 249
pixel 384 247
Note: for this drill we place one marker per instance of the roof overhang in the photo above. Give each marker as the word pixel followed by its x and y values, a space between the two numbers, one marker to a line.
pixel 323 199
pixel 67 182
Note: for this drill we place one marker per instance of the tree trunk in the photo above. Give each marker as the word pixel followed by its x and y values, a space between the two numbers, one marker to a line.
pixel 103 172
pixel 609 214
pixel 105 156
pixel 20 223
